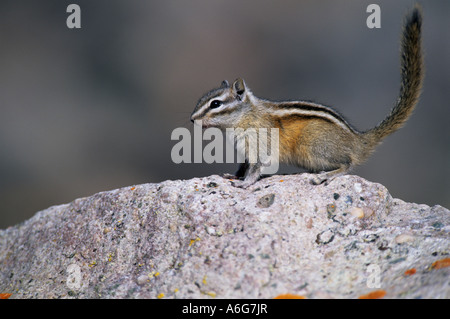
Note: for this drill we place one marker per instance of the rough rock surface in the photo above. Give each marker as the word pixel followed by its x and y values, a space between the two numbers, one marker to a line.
pixel 203 238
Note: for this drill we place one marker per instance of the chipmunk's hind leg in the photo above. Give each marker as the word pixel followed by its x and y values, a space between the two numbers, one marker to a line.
pixel 326 177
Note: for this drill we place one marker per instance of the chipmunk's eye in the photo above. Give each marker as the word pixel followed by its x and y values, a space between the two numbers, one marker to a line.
pixel 215 103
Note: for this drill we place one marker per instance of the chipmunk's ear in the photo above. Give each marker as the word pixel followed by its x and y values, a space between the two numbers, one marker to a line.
pixel 224 84
pixel 239 88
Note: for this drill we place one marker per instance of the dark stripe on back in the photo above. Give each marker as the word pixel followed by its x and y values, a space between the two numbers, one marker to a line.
pixel 302 117
pixel 315 107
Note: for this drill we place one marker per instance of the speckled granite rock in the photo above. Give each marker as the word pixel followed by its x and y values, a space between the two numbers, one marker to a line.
pixel 203 238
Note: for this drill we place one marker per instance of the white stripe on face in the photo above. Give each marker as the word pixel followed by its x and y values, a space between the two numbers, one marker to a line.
pixel 206 106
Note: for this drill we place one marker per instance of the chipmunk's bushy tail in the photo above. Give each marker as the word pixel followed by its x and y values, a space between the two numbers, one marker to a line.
pixel 412 74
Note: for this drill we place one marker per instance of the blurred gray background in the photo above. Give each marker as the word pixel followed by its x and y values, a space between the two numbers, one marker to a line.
pixel 88 110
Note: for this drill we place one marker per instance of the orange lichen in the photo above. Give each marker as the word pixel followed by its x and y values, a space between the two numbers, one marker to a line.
pixel 5 296
pixel 193 241
pixel 377 294
pixel 132 188
pixel 441 263
pixel 289 296
pixel 281 180
pixel 410 272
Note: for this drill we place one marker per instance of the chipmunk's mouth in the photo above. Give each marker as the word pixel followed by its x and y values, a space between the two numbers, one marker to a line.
pixel 205 124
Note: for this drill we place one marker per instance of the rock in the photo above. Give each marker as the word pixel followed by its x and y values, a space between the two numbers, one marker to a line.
pixel 357 212
pixel 203 238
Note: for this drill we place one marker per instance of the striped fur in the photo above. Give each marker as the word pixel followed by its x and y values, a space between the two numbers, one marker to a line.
pixel 311 110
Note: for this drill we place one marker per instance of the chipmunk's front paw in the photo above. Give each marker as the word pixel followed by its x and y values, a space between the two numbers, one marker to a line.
pixel 242 184
pixel 251 177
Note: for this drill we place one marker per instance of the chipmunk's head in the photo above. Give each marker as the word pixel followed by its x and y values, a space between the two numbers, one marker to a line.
pixel 223 107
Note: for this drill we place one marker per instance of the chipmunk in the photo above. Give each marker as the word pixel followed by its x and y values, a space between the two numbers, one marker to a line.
pixel 311 135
